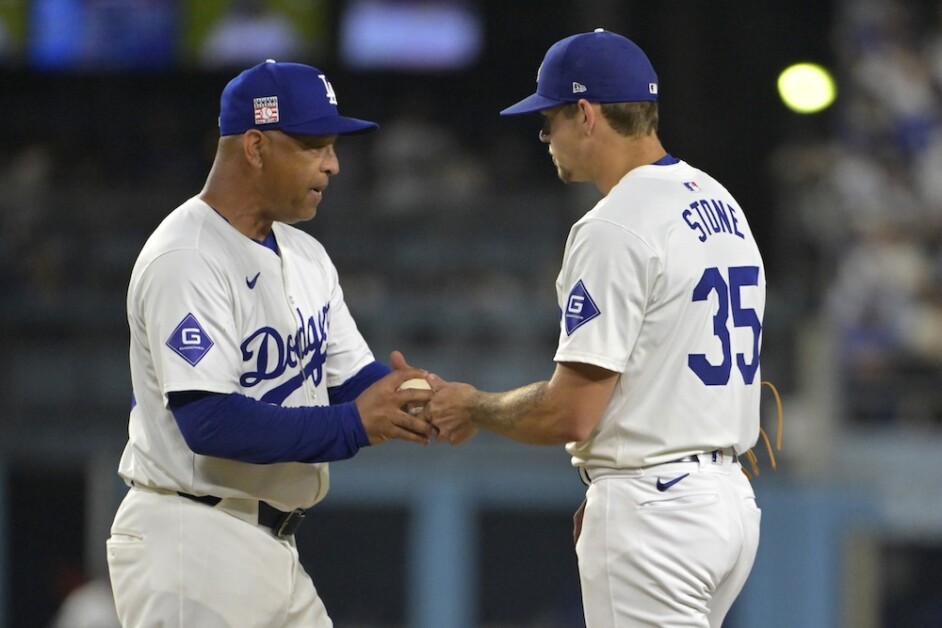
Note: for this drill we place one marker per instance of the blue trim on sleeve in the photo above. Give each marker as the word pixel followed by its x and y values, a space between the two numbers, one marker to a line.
pixel 237 427
pixel 365 377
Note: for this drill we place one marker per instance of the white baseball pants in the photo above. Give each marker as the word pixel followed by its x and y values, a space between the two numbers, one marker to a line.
pixel 178 563
pixel 669 557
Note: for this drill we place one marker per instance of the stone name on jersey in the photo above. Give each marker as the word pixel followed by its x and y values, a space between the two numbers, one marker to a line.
pixel 715 217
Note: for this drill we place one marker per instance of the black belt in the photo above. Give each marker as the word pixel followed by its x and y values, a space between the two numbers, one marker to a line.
pixel 282 524
pixel 716 453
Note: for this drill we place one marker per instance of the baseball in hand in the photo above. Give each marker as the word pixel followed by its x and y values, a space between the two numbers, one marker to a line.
pixel 415 408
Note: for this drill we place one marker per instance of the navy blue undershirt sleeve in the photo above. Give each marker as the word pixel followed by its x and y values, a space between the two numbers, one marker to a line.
pixel 237 427
pixel 365 377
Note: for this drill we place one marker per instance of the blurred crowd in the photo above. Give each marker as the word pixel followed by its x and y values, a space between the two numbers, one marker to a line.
pixel 863 200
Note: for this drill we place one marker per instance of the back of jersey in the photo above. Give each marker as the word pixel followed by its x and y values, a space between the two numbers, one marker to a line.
pixel 669 266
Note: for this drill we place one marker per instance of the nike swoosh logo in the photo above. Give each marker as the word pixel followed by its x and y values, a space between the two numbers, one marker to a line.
pixel 251 282
pixel 663 486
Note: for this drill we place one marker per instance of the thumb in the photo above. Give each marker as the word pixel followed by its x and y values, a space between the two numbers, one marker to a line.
pixel 398 361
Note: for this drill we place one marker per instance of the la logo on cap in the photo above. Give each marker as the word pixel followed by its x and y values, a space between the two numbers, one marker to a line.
pixel 266 110
pixel 331 94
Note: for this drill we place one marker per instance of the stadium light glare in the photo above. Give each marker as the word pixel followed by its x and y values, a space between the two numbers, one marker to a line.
pixel 806 88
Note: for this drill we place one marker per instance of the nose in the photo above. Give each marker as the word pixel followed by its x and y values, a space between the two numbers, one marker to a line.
pixel 330 164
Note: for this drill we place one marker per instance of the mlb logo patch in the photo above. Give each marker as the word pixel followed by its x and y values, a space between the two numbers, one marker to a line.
pixel 580 308
pixel 692 186
pixel 266 110
pixel 189 340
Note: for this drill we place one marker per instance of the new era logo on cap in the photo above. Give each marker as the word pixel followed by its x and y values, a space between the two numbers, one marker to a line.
pixel 578 88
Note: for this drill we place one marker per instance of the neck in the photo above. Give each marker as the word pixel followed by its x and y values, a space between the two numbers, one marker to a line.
pixel 623 155
pixel 226 192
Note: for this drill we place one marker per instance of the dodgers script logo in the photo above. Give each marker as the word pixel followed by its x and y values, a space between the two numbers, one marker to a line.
pixel 267 355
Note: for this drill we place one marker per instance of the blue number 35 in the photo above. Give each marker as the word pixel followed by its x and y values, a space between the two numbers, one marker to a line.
pixel 729 299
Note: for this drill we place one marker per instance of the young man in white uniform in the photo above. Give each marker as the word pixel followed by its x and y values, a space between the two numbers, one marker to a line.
pixel 656 388
pixel 249 374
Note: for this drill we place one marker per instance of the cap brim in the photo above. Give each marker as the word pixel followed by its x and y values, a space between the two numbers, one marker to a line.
pixel 332 125
pixel 531 103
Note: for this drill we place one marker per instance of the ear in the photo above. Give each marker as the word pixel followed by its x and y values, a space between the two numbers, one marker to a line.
pixel 252 147
pixel 590 116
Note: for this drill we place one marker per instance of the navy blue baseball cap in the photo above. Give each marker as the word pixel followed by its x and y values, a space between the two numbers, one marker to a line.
pixel 290 97
pixel 600 66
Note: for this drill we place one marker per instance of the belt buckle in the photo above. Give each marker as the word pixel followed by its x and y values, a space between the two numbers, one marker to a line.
pixel 289 523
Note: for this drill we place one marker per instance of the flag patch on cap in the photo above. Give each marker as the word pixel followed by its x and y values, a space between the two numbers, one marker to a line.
pixel 266 110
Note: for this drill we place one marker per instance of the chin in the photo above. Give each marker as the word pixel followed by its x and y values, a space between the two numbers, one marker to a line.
pixel 300 216
pixel 309 211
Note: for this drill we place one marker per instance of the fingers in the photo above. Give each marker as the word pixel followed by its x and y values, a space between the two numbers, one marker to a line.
pixel 413 400
pixel 448 411
pixel 435 381
pixel 414 425
pixel 456 436
pixel 408 428
pixel 400 376
pixel 397 433
pixel 402 372
pixel 398 361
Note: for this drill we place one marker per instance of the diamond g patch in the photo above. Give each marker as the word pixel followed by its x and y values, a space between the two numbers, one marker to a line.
pixel 189 340
pixel 580 308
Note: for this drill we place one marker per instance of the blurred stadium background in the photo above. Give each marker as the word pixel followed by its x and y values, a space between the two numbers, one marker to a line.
pixel 447 227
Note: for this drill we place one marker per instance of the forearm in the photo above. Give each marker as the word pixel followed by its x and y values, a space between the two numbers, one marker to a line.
pixel 522 414
pixel 237 427
pixel 565 409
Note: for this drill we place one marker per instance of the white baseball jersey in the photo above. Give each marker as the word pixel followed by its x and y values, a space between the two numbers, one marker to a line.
pixel 662 282
pixel 209 309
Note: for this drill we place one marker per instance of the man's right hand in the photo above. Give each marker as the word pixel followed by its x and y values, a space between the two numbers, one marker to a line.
pixel 382 407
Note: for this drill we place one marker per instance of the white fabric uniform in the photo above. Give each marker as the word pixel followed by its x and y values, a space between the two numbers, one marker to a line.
pixel 662 282
pixel 211 310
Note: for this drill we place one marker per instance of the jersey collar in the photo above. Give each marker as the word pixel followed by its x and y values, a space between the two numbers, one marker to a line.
pixel 666 160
